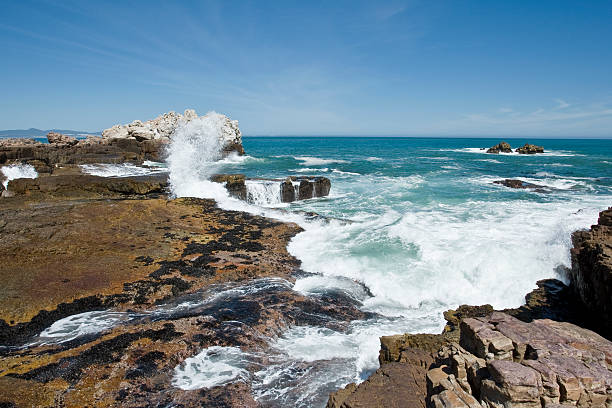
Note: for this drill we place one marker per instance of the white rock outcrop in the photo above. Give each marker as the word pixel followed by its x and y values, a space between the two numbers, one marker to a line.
pixel 159 128
pixel 163 127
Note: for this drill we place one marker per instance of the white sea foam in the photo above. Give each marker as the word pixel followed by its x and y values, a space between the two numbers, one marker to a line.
pixel 345 173
pixel 120 170
pixel 489 160
pixel 15 171
pixel 75 326
pixel 235 158
pixel 316 161
pixel 373 159
pixel 212 367
pixel 153 163
pixel 311 170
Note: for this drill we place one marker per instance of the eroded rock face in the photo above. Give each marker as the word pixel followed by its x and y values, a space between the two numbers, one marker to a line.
pixel 591 273
pixel 504 362
pixel 456 377
pixel 46 157
pixel 502 147
pixel 530 149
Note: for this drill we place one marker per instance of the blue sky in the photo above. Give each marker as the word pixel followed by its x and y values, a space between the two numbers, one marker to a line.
pixel 481 68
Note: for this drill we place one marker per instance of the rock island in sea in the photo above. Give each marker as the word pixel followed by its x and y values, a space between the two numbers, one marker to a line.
pixel 117 293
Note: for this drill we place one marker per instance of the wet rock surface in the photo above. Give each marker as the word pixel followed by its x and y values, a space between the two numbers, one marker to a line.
pixel 519 184
pixel 591 273
pixel 161 279
pixel 291 189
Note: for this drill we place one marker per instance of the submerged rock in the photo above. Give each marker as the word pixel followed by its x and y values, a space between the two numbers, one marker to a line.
pixel 591 272
pixel 502 147
pixel 513 183
pixel 530 149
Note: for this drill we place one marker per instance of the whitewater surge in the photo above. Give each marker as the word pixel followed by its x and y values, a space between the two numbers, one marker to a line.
pixel 427 233
pixel 123 169
pixel 15 171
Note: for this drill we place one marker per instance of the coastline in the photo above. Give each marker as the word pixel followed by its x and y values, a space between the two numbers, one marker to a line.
pixel 125 288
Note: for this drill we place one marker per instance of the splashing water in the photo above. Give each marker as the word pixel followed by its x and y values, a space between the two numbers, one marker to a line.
pixel 192 157
pixel 261 192
pixel 15 171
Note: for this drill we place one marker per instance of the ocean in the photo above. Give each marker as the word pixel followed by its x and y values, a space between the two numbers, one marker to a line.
pixel 412 227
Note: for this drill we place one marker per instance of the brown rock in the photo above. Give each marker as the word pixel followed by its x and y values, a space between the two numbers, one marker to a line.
pixel 61 139
pixel 234 183
pixel 394 385
pixel 512 183
pixel 306 190
pixel 287 191
pixel 591 273
pixel 502 147
pixel 88 186
pixel 511 384
pixel 45 157
pixel 530 149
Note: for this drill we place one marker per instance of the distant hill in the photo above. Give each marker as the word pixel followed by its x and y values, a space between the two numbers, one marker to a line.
pixel 33 132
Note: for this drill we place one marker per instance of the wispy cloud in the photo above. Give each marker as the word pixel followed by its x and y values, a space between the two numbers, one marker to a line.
pixel 560 118
pixel 560 113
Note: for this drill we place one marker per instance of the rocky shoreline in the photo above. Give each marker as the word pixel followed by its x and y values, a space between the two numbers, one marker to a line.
pixel 165 278
pixel 539 355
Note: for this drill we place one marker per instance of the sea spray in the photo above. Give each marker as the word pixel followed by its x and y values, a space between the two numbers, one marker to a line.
pixel 15 171
pixel 192 157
